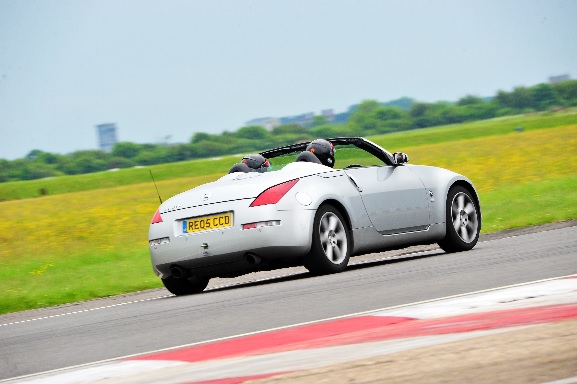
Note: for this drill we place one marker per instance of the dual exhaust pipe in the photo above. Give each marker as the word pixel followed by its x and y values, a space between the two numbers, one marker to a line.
pixel 179 272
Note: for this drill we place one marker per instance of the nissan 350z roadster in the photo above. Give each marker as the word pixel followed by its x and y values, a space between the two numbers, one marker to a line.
pixel 312 205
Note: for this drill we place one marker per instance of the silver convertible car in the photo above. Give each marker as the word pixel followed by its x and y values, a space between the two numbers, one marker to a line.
pixel 294 210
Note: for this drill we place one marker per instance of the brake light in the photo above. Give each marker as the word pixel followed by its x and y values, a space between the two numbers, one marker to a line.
pixel 273 194
pixel 156 218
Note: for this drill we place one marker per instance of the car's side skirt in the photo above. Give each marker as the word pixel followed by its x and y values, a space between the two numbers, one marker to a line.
pixel 369 240
pixel 405 230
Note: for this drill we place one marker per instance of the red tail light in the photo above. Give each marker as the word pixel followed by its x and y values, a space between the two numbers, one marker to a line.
pixel 272 195
pixel 156 218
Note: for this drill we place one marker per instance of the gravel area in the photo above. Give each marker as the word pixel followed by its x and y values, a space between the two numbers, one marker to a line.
pixel 535 354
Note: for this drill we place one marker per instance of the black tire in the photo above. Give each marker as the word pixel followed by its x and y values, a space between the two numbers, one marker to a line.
pixel 185 286
pixel 331 242
pixel 463 221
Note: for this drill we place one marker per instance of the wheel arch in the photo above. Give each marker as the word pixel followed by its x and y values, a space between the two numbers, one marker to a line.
pixel 341 208
pixel 469 187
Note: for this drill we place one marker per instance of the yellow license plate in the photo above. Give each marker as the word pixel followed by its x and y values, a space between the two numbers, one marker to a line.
pixel 205 223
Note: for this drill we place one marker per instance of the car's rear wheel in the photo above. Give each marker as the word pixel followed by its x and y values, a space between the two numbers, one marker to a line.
pixel 330 242
pixel 185 286
pixel 463 221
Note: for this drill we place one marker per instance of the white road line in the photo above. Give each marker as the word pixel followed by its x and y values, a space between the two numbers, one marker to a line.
pixel 82 311
pixel 569 380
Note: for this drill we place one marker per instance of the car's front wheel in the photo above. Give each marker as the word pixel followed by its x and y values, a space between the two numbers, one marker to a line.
pixel 185 286
pixel 463 221
pixel 330 242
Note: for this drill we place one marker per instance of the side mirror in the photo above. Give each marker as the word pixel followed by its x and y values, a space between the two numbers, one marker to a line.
pixel 400 158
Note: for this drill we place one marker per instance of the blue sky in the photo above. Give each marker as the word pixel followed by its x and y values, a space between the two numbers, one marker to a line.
pixel 171 68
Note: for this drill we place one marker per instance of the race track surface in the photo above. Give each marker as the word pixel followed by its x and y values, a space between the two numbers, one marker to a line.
pixel 54 338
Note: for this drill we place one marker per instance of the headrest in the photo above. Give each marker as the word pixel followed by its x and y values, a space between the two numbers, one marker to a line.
pixel 308 157
pixel 239 167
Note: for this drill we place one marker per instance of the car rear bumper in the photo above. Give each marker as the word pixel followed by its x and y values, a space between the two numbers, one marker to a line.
pixel 287 234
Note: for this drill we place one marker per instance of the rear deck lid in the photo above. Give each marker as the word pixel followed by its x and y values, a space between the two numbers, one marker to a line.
pixel 239 186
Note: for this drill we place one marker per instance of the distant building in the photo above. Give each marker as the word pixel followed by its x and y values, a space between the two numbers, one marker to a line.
pixel 268 122
pixel 304 119
pixel 558 79
pixel 106 136
pixel 341 118
pixel 329 114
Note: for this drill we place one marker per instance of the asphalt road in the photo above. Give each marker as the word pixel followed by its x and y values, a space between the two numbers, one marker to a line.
pixel 37 341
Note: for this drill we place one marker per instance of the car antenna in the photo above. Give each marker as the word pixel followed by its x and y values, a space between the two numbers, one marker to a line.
pixel 158 193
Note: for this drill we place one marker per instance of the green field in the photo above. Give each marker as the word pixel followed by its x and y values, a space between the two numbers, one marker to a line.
pixel 215 167
pixel 88 237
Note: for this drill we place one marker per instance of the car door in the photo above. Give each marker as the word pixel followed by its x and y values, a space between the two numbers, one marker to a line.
pixel 394 197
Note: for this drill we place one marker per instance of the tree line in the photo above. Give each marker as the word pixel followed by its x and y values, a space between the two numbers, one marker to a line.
pixel 367 118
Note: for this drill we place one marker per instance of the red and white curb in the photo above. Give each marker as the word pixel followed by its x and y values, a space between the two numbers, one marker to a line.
pixel 339 340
